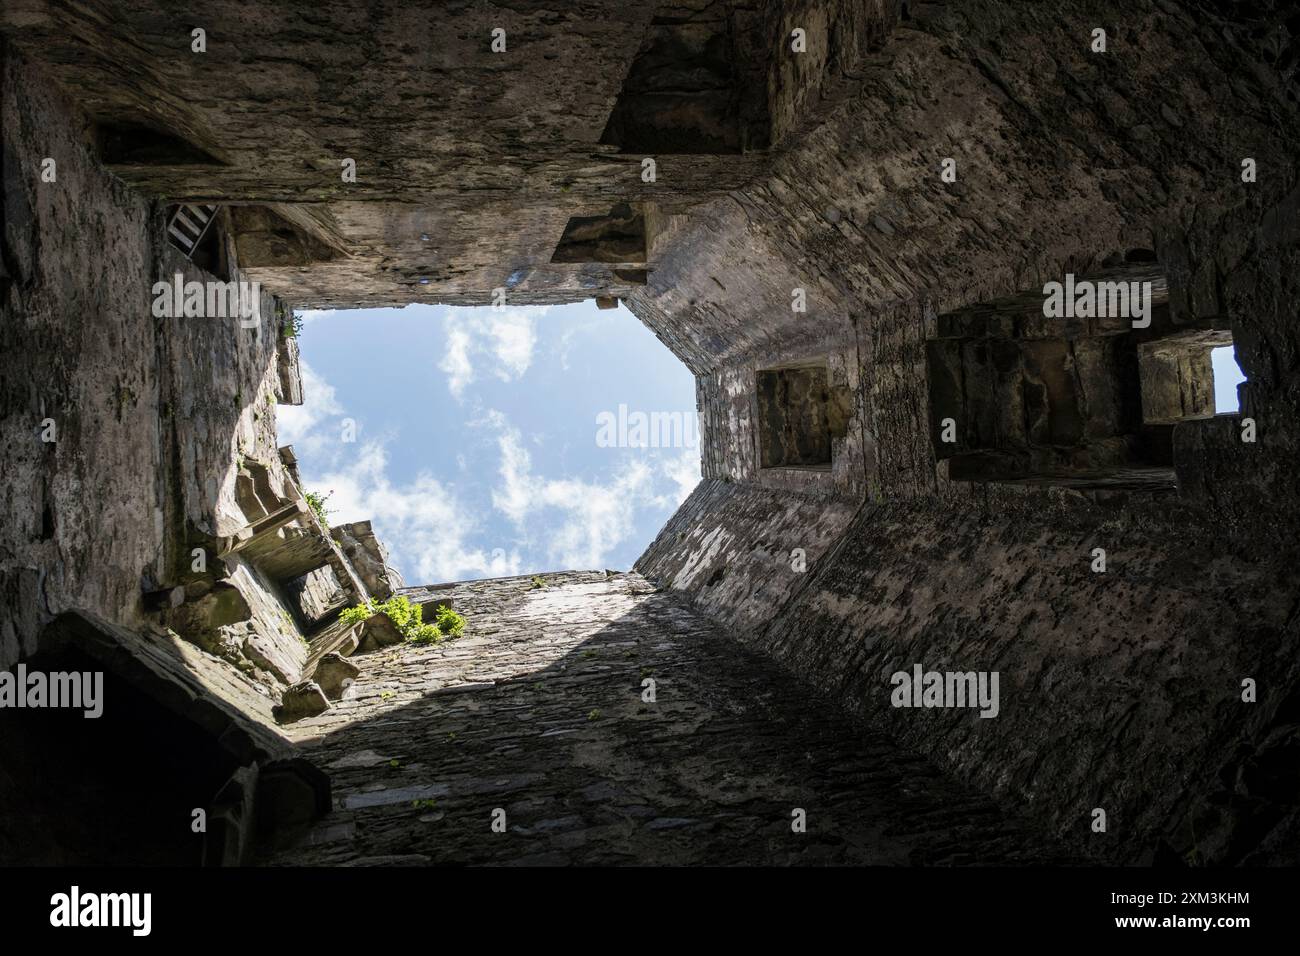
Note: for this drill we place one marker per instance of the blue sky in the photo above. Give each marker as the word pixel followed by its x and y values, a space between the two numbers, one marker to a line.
pixel 476 451
pixel 1227 376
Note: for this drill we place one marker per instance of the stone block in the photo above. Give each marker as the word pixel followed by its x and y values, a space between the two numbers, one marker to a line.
pixel 376 632
pixel 334 674
pixel 303 699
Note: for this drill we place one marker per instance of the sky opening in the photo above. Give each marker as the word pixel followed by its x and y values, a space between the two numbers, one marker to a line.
pixel 1227 376
pixel 487 443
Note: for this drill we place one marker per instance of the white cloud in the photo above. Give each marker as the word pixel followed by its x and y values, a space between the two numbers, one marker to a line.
pixel 564 344
pixel 515 497
pixel 594 518
pixel 684 472
pixel 513 340
pixel 300 425
pixel 456 361
pixel 503 340
pixel 423 524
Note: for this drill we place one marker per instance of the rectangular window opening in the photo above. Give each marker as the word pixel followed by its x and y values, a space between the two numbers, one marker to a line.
pixel 1227 376
pixel 1021 396
pixel 618 237
pixel 1188 377
pixel 799 415
pixel 197 231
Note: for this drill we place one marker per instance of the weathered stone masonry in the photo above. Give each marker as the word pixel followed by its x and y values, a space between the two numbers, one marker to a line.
pixel 774 172
pixel 541 713
pixel 1130 680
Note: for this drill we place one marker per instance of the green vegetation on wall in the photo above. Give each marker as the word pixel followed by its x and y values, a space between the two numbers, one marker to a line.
pixel 408 619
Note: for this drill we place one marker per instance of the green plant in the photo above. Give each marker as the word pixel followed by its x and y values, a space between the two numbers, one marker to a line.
pixel 409 620
pixel 538 582
pixel 316 502
pixel 355 615
pixel 291 325
pixel 446 623
pixel 449 622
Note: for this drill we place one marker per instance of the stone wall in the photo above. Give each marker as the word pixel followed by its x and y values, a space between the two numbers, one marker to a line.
pixel 78 349
pixel 165 447
pixel 540 714
pixel 1120 690
pixel 732 548
pixel 1122 686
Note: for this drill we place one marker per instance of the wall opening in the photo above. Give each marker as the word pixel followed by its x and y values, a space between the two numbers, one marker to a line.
pixel 116 790
pixel 1178 380
pixel 684 91
pixel 263 237
pixel 125 144
pixel 799 416
pixel 197 230
pixel 268 237
pixel 1019 396
pixel 619 237
pixel 1227 376
pixel 504 441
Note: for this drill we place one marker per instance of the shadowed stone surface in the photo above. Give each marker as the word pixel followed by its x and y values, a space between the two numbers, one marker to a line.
pixel 538 710
pixel 304 699
pixel 335 674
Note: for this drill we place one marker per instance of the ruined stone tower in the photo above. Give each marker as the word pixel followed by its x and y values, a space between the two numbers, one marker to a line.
pixel 845 217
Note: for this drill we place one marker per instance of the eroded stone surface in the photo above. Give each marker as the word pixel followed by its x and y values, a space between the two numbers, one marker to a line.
pixel 335 674
pixel 369 557
pixel 538 710
pixel 304 699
